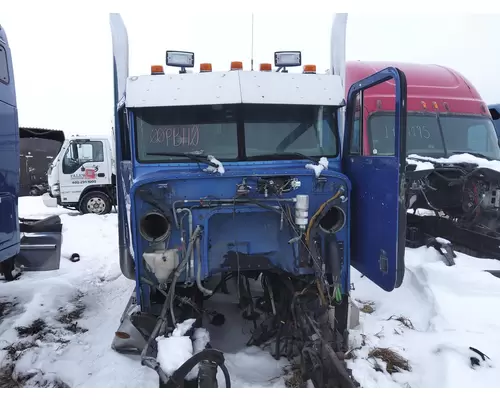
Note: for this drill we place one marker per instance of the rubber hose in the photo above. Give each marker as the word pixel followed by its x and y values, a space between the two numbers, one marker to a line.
pixel 180 269
pixel 207 354
pixel 332 257
pixel 202 289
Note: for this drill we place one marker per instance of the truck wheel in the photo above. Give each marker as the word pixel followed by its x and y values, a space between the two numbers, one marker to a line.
pixel 95 203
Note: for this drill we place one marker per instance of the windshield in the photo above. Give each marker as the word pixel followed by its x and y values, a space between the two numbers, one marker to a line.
pixel 236 132
pixel 428 136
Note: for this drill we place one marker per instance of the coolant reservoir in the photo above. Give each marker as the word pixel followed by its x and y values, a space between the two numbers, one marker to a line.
pixel 162 263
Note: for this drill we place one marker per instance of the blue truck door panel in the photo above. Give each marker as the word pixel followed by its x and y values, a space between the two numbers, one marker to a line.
pixel 9 155
pixel 378 212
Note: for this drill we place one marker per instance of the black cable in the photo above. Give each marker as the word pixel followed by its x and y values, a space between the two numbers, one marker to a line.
pixel 227 378
pixel 218 286
pixel 265 206
pixel 212 355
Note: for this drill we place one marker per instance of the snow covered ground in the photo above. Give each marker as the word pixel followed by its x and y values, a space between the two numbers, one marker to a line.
pixel 56 327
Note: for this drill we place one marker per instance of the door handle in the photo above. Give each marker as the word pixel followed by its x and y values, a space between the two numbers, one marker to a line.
pixel 100 174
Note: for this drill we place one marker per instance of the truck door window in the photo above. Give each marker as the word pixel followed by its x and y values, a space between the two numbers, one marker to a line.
pixel 78 154
pixel 124 135
pixel 423 134
pixel 356 136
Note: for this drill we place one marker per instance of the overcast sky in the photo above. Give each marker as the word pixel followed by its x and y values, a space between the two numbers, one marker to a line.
pixel 63 64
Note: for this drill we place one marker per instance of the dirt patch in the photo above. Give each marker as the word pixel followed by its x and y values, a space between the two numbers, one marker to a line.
pixel 394 362
pixel 39 379
pixel 368 307
pixel 6 307
pixel 68 316
pixel 293 377
pixel 37 334
pixel 35 328
pixel 9 379
pixel 403 321
pixel 16 350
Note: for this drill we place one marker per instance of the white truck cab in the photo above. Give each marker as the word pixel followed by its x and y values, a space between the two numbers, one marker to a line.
pixel 83 175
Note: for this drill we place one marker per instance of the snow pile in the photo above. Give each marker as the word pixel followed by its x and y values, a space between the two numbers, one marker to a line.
pixel 56 327
pixel 429 322
pixel 454 159
pixel 219 169
pixel 421 166
pixel 322 165
pixel 173 352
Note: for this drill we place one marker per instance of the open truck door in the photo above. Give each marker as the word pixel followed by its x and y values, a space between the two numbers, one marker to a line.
pixel 378 212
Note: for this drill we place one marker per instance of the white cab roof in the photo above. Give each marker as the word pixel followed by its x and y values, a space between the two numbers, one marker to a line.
pixel 89 137
pixel 233 87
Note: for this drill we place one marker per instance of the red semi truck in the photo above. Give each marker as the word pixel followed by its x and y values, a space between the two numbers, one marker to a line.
pixel 456 176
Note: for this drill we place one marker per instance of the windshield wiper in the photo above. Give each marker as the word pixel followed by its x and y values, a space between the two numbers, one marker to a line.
pixel 284 155
pixel 191 156
pixel 472 153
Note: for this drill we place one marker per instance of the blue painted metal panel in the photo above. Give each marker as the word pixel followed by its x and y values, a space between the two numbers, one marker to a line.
pixel 248 229
pixel 378 223
pixel 9 156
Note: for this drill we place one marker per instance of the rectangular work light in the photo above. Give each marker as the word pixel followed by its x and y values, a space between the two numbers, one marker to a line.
pixel 182 59
pixel 287 59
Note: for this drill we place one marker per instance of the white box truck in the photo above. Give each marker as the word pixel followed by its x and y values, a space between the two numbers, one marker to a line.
pixel 83 175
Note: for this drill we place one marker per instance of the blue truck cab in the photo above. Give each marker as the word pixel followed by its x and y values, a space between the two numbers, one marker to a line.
pixel 241 174
pixel 25 244
pixel 9 160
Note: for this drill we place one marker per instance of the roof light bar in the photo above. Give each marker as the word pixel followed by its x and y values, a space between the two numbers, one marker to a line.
pixel 236 65
pixel 205 67
pixel 266 67
pixel 157 70
pixel 309 69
